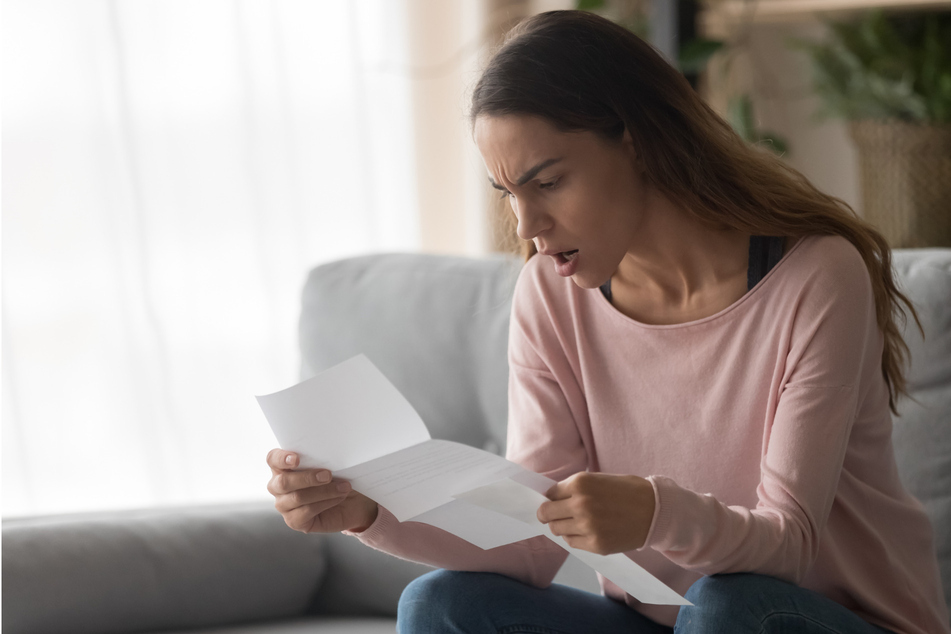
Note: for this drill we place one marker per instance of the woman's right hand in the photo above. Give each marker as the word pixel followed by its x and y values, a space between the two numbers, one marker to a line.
pixel 311 501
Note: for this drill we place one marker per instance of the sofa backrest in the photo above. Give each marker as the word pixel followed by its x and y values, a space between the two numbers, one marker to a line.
pixel 437 327
pixel 922 430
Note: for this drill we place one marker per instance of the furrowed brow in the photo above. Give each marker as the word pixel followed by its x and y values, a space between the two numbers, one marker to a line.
pixel 529 175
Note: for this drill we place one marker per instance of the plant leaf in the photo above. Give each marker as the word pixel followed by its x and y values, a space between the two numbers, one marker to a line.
pixel 884 65
pixel 774 142
pixel 590 5
pixel 740 116
pixel 695 54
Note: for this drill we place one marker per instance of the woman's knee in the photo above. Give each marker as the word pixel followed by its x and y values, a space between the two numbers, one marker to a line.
pixel 441 601
pixel 719 589
pixel 739 603
pixel 427 587
pixel 421 597
pixel 719 604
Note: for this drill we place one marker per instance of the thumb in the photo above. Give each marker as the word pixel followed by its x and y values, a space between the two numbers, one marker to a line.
pixel 559 491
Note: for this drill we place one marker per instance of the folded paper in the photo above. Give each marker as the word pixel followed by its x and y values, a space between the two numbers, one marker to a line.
pixel 351 420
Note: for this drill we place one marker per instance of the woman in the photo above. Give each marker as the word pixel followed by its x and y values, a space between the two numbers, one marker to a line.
pixel 703 354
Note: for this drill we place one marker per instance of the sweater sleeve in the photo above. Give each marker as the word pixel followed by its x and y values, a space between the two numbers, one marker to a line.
pixel 532 561
pixel 542 437
pixel 833 339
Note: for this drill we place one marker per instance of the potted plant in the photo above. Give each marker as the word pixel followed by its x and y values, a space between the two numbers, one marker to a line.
pixel 889 75
pixel 693 58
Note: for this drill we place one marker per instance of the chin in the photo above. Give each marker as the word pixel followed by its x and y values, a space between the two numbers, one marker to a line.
pixel 586 281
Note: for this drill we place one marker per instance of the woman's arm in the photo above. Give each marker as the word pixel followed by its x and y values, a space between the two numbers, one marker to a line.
pixel 834 356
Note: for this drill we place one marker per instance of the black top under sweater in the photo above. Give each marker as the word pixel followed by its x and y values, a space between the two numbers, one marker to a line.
pixel 765 252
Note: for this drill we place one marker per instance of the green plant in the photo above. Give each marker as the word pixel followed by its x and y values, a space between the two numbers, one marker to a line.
pixel 695 54
pixel 631 14
pixel 885 66
pixel 692 57
pixel 740 115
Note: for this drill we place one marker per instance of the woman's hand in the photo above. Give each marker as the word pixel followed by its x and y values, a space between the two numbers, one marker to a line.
pixel 599 512
pixel 311 501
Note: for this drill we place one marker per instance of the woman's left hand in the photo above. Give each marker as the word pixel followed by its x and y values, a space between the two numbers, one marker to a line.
pixel 600 512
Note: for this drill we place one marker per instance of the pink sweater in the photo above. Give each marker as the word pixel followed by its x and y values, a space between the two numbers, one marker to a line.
pixel 764 430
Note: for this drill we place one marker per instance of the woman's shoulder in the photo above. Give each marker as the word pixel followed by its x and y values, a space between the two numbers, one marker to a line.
pixel 831 248
pixel 826 260
pixel 825 272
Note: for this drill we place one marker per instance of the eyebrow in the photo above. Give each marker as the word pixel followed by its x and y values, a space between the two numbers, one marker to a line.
pixel 529 175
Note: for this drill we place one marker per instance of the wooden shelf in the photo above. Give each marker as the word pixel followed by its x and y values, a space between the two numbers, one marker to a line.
pixel 719 16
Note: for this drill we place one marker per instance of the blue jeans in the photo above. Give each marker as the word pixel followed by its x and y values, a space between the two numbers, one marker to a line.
pixel 450 602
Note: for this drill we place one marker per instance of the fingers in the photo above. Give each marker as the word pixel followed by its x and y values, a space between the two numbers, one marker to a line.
pixel 279 459
pixel 333 493
pixel 303 497
pixel 310 500
pixel 566 528
pixel 573 485
pixel 283 482
pixel 549 511
pixel 559 491
pixel 584 542
pixel 568 498
pixel 286 480
pixel 327 496
pixel 307 518
pixel 578 534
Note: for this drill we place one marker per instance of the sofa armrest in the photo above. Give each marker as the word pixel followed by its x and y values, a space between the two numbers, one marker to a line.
pixel 156 569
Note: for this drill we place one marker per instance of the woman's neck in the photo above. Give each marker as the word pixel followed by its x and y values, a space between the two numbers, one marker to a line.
pixel 676 258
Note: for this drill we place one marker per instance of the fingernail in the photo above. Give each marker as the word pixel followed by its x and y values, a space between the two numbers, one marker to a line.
pixel 289 459
pixel 323 476
pixel 343 487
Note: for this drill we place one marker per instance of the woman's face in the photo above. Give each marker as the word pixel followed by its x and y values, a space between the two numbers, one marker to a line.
pixel 580 197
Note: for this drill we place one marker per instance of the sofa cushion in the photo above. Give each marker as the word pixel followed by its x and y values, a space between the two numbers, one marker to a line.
pixel 311 625
pixel 158 569
pixel 922 431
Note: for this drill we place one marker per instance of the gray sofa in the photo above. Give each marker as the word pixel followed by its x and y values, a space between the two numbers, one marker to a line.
pixel 437 327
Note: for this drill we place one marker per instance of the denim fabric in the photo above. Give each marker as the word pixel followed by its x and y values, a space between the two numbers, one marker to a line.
pixel 741 603
pixel 451 602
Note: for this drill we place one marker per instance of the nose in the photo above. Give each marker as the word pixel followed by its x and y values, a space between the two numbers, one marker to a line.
pixel 532 220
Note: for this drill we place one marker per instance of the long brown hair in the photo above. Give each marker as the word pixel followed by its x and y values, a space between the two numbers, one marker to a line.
pixel 583 72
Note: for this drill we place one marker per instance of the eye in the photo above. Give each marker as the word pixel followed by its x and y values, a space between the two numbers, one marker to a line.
pixel 548 186
pixel 505 194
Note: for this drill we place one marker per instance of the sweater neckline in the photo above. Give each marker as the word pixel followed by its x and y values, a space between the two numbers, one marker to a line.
pixel 756 291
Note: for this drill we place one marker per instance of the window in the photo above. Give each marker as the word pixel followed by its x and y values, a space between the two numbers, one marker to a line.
pixel 171 170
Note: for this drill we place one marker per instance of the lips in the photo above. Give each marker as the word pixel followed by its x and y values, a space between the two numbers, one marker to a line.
pixel 554 253
pixel 566 262
pixel 567 256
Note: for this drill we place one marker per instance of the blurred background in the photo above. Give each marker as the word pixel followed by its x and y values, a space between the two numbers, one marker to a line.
pixel 172 169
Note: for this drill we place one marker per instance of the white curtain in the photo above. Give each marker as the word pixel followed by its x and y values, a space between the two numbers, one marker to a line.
pixel 171 170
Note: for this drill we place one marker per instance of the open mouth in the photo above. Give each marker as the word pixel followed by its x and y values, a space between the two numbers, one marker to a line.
pixel 566 256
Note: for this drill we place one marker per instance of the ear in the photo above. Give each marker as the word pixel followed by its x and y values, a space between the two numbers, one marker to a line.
pixel 628 142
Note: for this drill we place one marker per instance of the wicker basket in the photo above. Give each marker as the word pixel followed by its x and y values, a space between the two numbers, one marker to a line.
pixel 906 180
